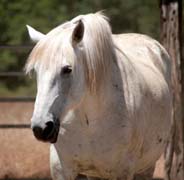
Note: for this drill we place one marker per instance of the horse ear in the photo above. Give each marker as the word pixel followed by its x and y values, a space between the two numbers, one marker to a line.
pixel 78 32
pixel 34 35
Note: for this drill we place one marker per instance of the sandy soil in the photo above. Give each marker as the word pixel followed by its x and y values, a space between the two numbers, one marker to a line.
pixel 21 155
pixel 13 113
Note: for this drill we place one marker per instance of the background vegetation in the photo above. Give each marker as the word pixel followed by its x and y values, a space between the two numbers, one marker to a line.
pixel 141 16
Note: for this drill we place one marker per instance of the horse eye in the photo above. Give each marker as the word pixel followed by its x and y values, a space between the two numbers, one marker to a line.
pixel 66 69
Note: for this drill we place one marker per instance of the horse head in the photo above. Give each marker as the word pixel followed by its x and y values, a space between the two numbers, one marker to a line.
pixel 60 84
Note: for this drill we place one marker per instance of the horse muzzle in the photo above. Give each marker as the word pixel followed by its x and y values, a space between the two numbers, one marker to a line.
pixel 47 132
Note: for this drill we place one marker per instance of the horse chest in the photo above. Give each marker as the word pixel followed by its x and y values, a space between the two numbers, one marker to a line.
pixel 96 151
pixel 91 157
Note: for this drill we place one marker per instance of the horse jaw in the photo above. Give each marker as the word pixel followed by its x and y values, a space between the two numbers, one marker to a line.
pixel 34 35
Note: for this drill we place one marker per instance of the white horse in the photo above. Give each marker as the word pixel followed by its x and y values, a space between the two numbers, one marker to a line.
pixel 103 100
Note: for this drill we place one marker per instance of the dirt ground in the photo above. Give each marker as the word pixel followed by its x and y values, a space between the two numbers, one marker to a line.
pixel 21 155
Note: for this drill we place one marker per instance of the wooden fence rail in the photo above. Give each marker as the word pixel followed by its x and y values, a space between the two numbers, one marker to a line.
pixel 14 126
pixel 16 47
pixel 11 74
pixel 15 74
pixel 17 99
pixel 19 149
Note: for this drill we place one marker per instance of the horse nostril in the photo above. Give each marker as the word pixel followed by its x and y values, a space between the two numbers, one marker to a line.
pixel 38 131
pixel 48 131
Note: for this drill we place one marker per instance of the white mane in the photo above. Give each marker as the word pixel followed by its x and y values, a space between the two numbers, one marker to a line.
pixel 97 53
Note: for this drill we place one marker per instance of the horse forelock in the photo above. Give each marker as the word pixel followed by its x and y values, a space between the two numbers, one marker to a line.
pixel 96 54
pixel 48 52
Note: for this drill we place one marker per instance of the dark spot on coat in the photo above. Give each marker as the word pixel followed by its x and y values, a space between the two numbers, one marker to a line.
pixel 159 140
pixel 80 145
pixel 116 86
pixel 87 121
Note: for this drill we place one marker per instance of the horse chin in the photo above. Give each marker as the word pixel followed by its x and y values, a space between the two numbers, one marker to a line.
pixel 54 138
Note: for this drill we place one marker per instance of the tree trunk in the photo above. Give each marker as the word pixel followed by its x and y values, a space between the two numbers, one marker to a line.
pixel 171 17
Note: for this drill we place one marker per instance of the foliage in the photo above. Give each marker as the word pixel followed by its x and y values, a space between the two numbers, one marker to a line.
pixel 140 16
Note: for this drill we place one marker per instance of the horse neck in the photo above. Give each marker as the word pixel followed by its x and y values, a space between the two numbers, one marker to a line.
pixel 95 105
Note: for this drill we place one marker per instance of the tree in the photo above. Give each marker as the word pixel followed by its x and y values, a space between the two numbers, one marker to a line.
pixel 44 15
pixel 171 25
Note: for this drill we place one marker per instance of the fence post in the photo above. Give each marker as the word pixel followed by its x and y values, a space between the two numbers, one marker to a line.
pixel 171 15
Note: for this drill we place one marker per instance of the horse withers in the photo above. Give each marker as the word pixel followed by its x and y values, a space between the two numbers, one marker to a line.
pixel 103 100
